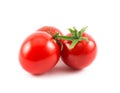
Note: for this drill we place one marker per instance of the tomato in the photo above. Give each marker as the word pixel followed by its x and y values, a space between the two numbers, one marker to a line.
pixel 39 53
pixel 81 55
pixel 50 29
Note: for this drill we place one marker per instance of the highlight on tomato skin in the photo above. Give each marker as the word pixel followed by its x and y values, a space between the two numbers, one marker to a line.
pixel 39 53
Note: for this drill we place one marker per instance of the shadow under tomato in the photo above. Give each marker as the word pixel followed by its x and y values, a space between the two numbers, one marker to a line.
pixel 60 70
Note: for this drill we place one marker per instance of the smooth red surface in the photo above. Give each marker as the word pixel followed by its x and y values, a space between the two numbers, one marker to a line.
pixel 81 55
pixel 39 53
pixel 50 29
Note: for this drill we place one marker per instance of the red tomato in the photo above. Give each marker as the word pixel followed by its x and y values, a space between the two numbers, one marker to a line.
pixel 81 55
pixel 39 53
pixel 50 29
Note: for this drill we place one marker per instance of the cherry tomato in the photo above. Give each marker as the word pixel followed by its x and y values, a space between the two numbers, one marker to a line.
pixel 50 29
pixel 39 53
pixel 82 55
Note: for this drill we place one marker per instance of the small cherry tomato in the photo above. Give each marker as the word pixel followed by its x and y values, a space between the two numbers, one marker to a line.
pixel 50 29
pixel 79 50
pixel 39 53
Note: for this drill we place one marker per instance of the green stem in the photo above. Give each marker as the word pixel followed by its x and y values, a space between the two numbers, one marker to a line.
pixel 75 38
pixel 65 38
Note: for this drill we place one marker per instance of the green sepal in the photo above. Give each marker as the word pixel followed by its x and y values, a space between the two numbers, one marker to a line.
pixel 73 44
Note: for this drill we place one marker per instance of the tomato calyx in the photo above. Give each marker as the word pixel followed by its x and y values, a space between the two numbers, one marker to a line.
pixel 75 38
pixel 55 37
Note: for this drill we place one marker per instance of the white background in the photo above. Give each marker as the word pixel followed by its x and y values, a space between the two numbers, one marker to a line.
pixel 19 18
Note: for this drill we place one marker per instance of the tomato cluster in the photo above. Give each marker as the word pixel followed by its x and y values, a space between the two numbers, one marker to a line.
pixel 41 50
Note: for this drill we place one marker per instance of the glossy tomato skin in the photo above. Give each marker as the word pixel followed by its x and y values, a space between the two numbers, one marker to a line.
pixel 81 55
pixel 50 29
pixel 39 53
